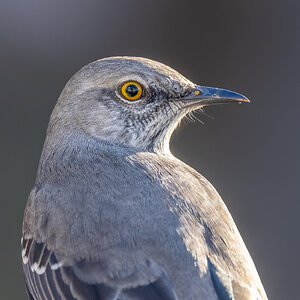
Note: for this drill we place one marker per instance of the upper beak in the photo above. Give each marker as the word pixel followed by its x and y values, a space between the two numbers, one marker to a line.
pixel 205 96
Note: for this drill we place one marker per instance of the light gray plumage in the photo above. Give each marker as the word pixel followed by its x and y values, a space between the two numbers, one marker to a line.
pixel 113 215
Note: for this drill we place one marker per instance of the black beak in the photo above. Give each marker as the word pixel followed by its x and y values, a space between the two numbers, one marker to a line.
pixel 206 96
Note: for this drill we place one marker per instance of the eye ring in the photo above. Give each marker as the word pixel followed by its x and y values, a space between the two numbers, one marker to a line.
pixel 132 90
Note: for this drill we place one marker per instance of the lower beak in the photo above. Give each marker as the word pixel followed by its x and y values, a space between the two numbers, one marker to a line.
pixel 206 96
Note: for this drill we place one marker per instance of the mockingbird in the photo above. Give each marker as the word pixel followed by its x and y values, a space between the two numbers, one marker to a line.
pixel 112 214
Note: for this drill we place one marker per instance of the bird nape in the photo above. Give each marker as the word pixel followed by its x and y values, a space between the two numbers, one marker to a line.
pixel 113 214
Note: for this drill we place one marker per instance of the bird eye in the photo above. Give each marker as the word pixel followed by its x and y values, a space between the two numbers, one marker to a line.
pixel 132 90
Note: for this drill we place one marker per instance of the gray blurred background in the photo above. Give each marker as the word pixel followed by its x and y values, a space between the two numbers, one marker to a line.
pixel 249 152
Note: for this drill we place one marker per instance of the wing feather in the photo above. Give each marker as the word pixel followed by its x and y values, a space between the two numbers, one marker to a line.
pixel 48 279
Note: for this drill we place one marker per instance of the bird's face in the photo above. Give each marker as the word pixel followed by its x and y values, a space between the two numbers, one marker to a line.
pixel 133 101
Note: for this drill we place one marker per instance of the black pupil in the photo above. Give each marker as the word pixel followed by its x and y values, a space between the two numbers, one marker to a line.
pixel 132 90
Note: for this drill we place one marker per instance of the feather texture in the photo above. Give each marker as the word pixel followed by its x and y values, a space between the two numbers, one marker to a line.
pixel 48 279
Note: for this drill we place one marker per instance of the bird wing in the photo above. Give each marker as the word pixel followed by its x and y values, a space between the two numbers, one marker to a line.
pixel 47 278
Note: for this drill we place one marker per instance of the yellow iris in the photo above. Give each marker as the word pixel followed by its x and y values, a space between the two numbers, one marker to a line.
pixel 132 90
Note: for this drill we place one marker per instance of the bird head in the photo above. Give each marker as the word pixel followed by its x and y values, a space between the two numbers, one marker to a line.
pixel 132 101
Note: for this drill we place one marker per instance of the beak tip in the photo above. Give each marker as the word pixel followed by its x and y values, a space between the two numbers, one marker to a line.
pixel 244 100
